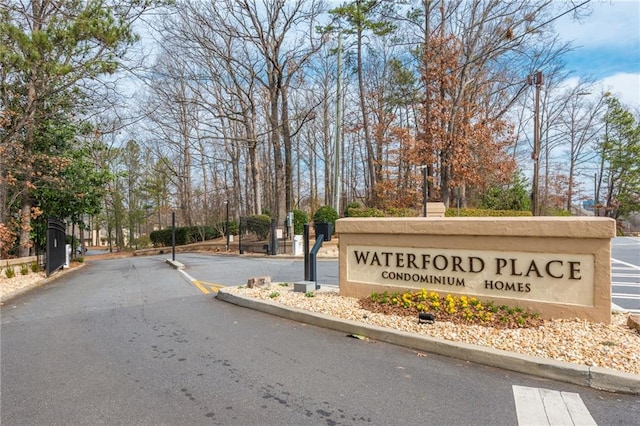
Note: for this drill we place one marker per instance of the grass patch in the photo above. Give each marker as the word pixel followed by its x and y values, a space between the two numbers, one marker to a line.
pixel 9 272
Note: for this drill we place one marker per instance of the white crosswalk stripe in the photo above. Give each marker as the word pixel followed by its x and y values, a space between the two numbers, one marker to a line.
pixel 628 266
pixel 538 407
pixel 625 285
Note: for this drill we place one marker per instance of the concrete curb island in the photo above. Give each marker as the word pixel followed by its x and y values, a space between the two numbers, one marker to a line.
pixel 592 377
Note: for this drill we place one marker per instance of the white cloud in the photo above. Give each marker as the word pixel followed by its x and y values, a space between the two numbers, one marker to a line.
pixel 612 22
pixel 607 47
pixel 624 86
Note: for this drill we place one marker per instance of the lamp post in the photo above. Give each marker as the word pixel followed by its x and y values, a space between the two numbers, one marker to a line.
pixel 424 190
pixel 226 228
pixel 336 173
pixel 595 194
pixel 173 236
pixel 536 79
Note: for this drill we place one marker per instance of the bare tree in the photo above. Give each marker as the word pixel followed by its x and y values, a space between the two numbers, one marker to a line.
pixel 173 113
pixel 581 128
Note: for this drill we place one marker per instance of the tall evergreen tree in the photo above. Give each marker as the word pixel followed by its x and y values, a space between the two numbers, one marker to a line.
pixel 50 53
pixel 620 151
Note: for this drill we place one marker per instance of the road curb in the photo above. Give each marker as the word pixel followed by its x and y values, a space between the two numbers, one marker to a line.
pixel 593 377
pixel 175 264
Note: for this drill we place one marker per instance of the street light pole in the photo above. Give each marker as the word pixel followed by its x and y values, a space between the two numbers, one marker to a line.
pixel 226 230
pixel 336 173
pixel 537 80
pixel 173 236
pixel 424 190
pixel 595 194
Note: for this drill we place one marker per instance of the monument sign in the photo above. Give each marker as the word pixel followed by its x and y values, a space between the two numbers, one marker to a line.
pixel 558 267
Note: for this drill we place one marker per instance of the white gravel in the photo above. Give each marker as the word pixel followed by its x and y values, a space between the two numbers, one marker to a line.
pixel 614 346
pixel 9 286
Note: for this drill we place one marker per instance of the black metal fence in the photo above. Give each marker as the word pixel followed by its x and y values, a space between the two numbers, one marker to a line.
pixel 274 242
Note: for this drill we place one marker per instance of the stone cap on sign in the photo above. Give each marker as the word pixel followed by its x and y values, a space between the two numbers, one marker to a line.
pixel 560 227
pixel 436 210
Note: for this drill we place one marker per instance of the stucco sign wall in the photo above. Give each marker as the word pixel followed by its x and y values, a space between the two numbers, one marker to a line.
pixel 548 277
pixel 558 267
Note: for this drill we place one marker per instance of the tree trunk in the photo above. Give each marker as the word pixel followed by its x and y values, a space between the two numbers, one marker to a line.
pixel 279 195
pixel 27 201
pixel 371 191
pixel 288 152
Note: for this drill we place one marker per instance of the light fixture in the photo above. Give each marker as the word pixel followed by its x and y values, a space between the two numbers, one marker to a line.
pixel 426 317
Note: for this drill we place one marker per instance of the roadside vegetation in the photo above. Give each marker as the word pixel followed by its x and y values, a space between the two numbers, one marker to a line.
pixel 456 309
pixel 238 119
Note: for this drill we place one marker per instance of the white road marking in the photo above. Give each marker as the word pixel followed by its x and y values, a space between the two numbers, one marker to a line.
pixel 537 407
pixel 624 284
pixel 621 270
pixel 630 265
pixel 625 296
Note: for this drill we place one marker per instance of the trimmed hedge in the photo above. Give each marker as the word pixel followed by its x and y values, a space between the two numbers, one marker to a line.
pixel 451 212
pixel 351 205
pixel 325 214
pixel 404 212
pixel 365 212
pixel 184 235
pixel 300 218
pixel 373 212
pixel 259 224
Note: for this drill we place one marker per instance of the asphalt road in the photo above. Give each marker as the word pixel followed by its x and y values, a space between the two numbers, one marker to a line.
pixel 130 341
pixel 625 273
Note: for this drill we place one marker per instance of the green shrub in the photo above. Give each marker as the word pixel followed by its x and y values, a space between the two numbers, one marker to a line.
pixel 158 238
pixel 325 214
pixel 234 227
pixel 9 272
pixel 512 196
pixel 143 241
pixel 24 269
pixel 219 229
pixel 259 224
pixel 184 235
pixel 300 218
pixel 357 211
pixel 453 212
pixel 559 212
pixel 351 205
pixel 365 212
pixel 403 212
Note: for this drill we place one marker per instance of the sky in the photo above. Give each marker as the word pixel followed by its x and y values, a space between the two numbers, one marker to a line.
pixel 607 47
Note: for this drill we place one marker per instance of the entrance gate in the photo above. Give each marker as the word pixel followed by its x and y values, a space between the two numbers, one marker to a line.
pixel 56 245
